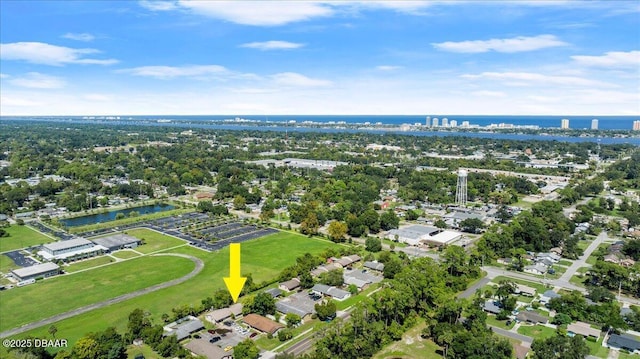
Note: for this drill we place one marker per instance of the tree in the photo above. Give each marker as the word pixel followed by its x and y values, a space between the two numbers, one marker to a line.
pixel 239 202
pixel 266 214
pixel 306 281
pixel 561 319
pixel 332 278
pixel 326 310
pixel 310 224
pixel 53 330
pixel 373 244
pixel 389 220
pixel 337 230
pixel 472 225
pixel 440 224
pixel 137 322
pixel 246 349
pixel 292 319
pixel 205 206
pixel 85 348
pixel 392 267
pixel 263 304
pixel 285 334
pixel 560 347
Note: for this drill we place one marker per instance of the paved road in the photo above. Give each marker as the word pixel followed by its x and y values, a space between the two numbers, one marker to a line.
pixel 301 346
pixel 523 338
pixel 88 308
pixel 471 290
pixel 582 261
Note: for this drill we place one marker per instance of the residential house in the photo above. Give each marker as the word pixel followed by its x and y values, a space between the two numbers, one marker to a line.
pixel 624 341
pixel 377 266
pixel 547 296
pixel 335 293
pixel 525 290
pixel 537 268
pixel 183 327
pixel 290 285
pixel 584 329
pixel 532 317
pixel 491 307
pixel 220 315
pixel 261 323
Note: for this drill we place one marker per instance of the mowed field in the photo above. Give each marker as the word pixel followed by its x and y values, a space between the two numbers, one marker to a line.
pixel 21 237
pixel 153 240
pixel 59 294
pixel 264 258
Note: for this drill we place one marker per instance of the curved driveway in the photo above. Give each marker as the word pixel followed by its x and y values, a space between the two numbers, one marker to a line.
pixel 90 307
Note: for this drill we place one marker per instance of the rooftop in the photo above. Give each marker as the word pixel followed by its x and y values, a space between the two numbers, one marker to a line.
pixel 56 246
pixel 35 270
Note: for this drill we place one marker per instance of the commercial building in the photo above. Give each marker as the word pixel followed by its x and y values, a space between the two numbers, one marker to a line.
pixel 43 270
pixel 261 323
pixel 564 123
pixel 333 292
pixel 418 234
pixel 70 250
pixel 183 327
pixel 117 242
pixel 594 124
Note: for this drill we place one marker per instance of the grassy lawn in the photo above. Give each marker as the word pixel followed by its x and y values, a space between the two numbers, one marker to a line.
pixel 596 349
pixel 537 331
pixel 583 269
pixel 129 220
pixel 491 320
pixel 583 244
pixel 7 264
pixel 592 258
pixel 410 346
pixel 63 293
pixel 257 258
pixel 355 299
pixel 565 262
pixel 133 350
pixel 125 254
pixel 524 299
pixel 21 237
pixel 396 244
pixel 538 286
pixel 153 240
pixel 268 344
pixel 89 263
pixel 577 280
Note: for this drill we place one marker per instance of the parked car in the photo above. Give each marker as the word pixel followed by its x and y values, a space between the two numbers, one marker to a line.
pixel 214 339
pixel 228 348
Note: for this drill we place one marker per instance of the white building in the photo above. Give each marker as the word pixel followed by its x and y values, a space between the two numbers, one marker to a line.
pixel 564 123
pixel 636 125
pixel 594 124
pixel 71 249
pixel 418 234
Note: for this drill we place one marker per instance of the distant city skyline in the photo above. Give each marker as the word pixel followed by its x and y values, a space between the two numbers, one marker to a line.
pixel 388 57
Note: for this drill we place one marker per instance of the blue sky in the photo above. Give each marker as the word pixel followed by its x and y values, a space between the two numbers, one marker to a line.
pixel 307 57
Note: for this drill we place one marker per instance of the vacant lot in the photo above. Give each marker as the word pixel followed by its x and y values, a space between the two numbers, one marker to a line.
pixel 63 293
pixel 154 241
pixel 264 258
pixel 22 237
pixel 89 263
pixel 537 331
pixel 410 346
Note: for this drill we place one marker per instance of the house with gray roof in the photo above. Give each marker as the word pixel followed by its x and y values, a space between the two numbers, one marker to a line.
pixel 624 341
pixel 333 292
pixel 183 327
pixel 374 265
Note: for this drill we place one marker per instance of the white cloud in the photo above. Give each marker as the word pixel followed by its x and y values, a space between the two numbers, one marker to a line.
pixel 388 67
pixel 272 45
pixel 524 78
pixel 38 81
pixel 9 101
pixel 96 97
pixel 156 5
pixel 516 44
pixel 297 80
pixel 168 72
pixel 86 37
pixel 611 59
pixel 259 13
pixel 3 76
pixel 485 93
pixel 46 54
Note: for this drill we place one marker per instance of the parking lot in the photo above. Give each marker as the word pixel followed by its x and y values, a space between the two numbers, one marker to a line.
pixel 300 303
pixel 20 259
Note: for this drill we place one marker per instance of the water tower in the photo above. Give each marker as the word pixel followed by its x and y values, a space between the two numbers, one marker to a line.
pixel 461 189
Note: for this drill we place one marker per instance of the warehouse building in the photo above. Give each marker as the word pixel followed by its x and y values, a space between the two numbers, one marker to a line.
pixel 117 242
pixel 418 235
pixel 72 249
pixel 42 270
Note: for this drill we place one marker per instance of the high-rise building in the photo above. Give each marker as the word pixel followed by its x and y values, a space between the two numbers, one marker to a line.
pixel 435 122
pixel 594 124
pixel 445 122
pixel 427 122
pixel 465 124
pixel 461 189
pixel 453 123
pixel 636 125
pixel 564 124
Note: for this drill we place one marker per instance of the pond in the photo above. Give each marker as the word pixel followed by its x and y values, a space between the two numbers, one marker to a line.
pixel 110 216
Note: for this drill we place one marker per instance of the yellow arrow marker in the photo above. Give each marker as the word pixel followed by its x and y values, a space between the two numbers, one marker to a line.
pixel 234 281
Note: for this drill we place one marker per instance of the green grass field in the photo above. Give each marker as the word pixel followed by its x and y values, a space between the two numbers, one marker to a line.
pixel 63 293
pixel 538 286
pixel 7 264
pixel 410 346
pixel 491 320
pixel 133 350
pixel 22 237
pixel 125 254
pixel 154 241
pixel 537 331
pixel 593 257
pixel 89 263
pixel 264 258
